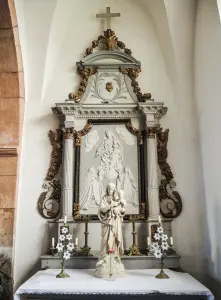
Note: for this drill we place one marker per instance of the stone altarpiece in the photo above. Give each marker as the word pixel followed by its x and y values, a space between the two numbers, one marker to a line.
pixel 109 132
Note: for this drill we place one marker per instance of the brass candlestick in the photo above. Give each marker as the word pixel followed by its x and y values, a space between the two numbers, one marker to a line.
pixel 85 251
pixel 134 250
pixel 53 251
pixel 62 274
pixel 162 275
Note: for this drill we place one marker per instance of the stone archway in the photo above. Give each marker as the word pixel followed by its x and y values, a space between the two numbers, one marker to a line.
pixel 11 119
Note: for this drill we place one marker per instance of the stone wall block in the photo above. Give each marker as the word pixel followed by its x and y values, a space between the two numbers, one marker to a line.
pixel 6 226
pixel 8 166
pixel 8 62
pixel 9 133
pixel 7 191
pixel 12 85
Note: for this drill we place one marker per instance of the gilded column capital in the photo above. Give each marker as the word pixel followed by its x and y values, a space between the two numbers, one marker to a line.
pixel 68 133
pixel 151 131
pixel 78 140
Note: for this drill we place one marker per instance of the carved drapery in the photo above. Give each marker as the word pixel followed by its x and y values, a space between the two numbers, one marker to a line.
pixel 170 200
pixel 49 200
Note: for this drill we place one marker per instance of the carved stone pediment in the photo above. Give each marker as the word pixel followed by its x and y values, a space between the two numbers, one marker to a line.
pixel 108 76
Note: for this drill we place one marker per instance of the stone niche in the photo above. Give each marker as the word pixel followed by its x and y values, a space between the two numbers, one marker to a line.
pixel 109 132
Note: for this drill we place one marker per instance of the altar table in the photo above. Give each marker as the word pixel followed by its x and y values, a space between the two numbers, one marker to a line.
pixel 137 284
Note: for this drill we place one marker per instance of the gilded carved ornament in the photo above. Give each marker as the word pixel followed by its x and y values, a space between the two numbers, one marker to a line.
pixel 82 132
pixel 49 200
pixel 133 74
pixel 109 42
pixel 170 200
pixel 151 131
pixel 68 133
pixel 84 73
pixel 135 132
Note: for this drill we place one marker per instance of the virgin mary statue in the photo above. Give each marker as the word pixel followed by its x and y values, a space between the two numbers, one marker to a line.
pixel 111 213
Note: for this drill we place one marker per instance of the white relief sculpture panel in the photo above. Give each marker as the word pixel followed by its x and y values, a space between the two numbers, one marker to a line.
pixel 125 135
pixel 91 140
pixel 113 159
pixel 109 87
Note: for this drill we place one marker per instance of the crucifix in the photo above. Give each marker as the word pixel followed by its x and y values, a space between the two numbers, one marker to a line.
pixel 108 16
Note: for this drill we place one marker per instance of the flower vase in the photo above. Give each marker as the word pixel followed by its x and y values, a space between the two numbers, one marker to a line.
pixel 162 275
pixel 62 274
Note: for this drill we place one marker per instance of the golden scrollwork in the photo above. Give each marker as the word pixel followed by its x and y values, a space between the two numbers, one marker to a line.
pixel 82 132
pixel 151 131
pixel 170 200
pixel 136 217
pixel 49 200
pixel 76 212
pixel 77 140
pixel 135 132
pixel 84 73
pixel 110 41
pixel 68 133
pixel 132 73
pixel 56 139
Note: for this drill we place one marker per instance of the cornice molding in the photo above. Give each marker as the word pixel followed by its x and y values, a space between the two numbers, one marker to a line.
pixel 8 151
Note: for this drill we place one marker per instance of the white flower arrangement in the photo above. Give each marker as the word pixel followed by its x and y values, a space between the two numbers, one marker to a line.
pixel 64 246
pixel 160 246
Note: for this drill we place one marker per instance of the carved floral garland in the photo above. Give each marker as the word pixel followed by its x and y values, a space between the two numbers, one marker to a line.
pixel 170 200
pixel 49 200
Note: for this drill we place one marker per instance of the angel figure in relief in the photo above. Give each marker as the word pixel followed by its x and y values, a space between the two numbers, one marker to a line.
pixel 127 183
pixel 92 190
pixel 130 187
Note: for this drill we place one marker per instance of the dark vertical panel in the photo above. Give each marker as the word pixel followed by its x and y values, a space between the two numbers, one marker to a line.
pixel 145 175
pixel 77 173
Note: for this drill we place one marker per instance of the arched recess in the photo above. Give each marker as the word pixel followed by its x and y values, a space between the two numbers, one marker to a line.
pixel 11 119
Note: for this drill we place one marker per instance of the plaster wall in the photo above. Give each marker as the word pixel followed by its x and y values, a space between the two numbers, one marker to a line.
pixel 207 93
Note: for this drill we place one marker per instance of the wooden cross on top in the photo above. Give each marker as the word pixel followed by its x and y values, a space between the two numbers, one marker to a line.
pixel 108 16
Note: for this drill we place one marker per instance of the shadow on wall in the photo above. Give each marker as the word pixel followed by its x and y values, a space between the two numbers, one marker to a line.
pixel 213 252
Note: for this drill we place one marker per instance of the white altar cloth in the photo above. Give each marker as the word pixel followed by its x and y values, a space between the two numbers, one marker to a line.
pixel 135 282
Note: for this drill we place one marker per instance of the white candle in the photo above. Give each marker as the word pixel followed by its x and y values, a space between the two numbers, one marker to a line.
pixel 52 242
pixel 148 241
pixel 65 219
pixel 76 241
pixel 171 241
pixel 159 218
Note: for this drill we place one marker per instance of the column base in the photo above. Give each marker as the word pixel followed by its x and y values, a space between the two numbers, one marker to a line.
pixel 69 219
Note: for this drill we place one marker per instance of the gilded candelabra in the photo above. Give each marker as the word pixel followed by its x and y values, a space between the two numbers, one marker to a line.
pixel 134 250
pixel 85 250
